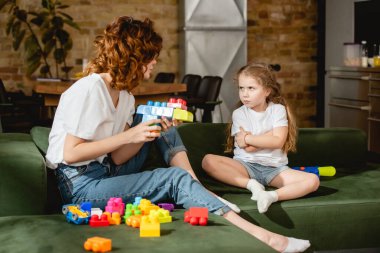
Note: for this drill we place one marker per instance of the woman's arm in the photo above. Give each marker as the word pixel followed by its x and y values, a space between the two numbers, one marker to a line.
pixel 77 149
pixel 275 140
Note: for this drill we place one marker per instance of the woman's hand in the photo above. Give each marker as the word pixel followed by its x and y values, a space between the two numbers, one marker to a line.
pixel 167 124
pixel 145 131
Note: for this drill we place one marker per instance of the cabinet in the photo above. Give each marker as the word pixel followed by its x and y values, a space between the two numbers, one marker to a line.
pixel 354 101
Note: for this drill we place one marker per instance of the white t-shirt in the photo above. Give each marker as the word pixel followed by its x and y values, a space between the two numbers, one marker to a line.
pixel 259 123
pixel 86 111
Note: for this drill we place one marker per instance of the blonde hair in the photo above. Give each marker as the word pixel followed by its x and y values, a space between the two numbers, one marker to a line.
pixel 123 50
pixel 264 75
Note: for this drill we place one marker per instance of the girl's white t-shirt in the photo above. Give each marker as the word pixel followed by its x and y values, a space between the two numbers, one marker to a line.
pixel 86 111
pixel 258 123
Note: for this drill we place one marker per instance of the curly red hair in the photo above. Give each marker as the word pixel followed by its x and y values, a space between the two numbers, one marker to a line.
pixel 124 49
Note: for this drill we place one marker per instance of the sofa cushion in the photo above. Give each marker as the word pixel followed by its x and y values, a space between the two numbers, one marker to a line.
pixel 40 136
pixel 22 176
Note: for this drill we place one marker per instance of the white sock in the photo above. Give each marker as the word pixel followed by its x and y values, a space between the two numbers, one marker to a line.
pixel 255 187
pixel 296 245
pixel 265 199
pixel 234 207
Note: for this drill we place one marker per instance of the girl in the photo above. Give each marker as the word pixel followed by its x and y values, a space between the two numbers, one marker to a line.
pixel 264 131
pixel 97 149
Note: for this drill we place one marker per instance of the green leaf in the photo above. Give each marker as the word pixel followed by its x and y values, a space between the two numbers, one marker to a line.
pixel 31 48
pixel 44 69
pixel 47 36
pixel 59 55
pixel 65 15
pixel 62 36
pixel 21 15
pixel 10 25
pixel 38 20
pixel 16 28
pixel 17 40
pixel 57 22
pixel 63 6
pixel 68 45
pixel 49 46
pixel 71 23
pixel 3 3
pixel 32 67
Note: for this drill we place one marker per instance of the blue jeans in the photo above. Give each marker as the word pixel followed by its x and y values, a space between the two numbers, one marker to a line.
pixel 98 182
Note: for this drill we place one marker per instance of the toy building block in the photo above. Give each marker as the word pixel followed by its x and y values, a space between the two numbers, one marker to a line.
pixel 75 215
pixel 86 206
pixel 162 215
pixel 177 103
pixel 157 110
pixel 97 211
pixel 137 201
pixel 327 171
pixel 133 221
pixel 115 205
pixel 146 206
pixel 101 221
pixel 98 244
pixel 196 216
pixel 166 206
pixel 150 227
pixel 131 210
pixel 113 218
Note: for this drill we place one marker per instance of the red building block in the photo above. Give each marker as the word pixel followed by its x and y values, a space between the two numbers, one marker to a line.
pixel 197 216
pixel 95 221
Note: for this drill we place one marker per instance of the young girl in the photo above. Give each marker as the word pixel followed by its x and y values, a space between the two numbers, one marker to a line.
pixel 97 149
pixel 264 131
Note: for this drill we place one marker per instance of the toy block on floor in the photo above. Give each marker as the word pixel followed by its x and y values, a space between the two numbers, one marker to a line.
pixel 98 244
pixel 196 216
pixel 149 227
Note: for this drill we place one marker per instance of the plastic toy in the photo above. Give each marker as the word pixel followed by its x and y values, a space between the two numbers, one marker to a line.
pixel 97 211
pixel 197 216
pixel 86 206
pixel 115 205
pixel 101 221
pixel 327 171
pixel 166 206
pixel 146 206
pixel 131 210
pixel 75 215
pixel 150 227
pixel 137 201
pixel 157 110
pixel 113 218
pixel 98 244
pixel 133 221
pixel 162 215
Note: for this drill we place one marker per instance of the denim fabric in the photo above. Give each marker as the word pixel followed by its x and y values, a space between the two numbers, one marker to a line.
pixel 263 174
pixel 97 182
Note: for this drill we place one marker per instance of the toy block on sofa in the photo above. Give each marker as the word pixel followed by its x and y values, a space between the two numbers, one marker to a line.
pixel 113 218
pixel 162 215
pixel 98 244
pixel 146 206
pixel 133 221
pixel 166 206
pixel 115 205
pixel 131 209
pixel 196 216
pixel 149 227
pixel 101 221
pixel 156 110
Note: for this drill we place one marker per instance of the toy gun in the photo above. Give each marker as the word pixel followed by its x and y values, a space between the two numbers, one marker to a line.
pixel 327 171
pixel 174 109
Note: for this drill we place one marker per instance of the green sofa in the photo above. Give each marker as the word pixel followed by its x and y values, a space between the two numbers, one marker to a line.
pixel 343 214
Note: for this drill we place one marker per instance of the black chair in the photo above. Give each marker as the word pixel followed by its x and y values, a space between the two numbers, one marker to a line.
pixel 164 77
pixel 192 82
pixel 207 96
pixel 18 113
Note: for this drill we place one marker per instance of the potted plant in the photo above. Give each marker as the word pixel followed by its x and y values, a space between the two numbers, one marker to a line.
pixel 42 33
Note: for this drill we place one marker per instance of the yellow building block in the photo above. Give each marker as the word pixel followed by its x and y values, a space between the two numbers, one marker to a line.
pixel 162 215
pixel 183 115
pixel 149 227
pixel 146 206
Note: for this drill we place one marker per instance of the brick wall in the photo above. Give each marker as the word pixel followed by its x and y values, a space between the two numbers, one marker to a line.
pixel 279 31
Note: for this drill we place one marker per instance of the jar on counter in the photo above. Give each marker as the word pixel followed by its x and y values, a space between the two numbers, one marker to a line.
pixel 376 55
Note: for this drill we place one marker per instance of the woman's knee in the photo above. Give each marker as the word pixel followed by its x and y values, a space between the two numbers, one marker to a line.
pixel 313 182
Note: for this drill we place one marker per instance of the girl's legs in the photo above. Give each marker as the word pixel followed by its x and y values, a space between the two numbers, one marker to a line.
pixel 294 184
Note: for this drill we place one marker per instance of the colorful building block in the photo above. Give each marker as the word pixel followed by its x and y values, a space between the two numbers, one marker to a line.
pixel 131 210
pixel 115 205
pixel 146 206
pixel 157 110
pixel 196 216
pixel 162 215
pixel 133 221
pixel 75 215
pixel 113 218
pixel 101 221
pixel 98 244
pixel 149 227
pixel 166 206
pixel 97 211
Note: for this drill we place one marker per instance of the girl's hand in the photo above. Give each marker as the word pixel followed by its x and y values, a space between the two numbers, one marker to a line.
pixel 145 131
pixel 240 138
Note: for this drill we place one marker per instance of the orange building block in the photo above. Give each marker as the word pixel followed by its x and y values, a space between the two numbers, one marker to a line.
pixel 149 227
pixel 133 221
pixel 98 244
pixel 113 218
pixel 145 206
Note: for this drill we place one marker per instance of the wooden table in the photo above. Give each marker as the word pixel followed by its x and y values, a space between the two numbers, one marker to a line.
pixel 51 91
